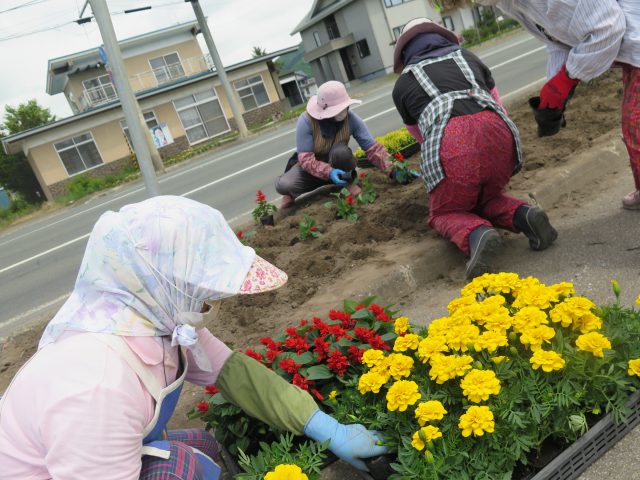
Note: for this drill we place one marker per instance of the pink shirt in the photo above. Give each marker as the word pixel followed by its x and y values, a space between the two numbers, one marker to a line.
pixel 77 410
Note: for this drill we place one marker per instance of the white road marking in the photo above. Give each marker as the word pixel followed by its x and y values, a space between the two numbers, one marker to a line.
pixel 34 310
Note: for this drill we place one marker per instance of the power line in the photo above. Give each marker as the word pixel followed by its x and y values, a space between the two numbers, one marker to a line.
pixel 24 5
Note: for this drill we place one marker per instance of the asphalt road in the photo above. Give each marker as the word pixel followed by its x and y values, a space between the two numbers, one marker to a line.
pixel 39 259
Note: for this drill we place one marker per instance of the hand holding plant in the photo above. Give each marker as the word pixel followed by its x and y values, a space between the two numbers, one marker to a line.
pixel 309 228
pixel 263 207
pixel 400 170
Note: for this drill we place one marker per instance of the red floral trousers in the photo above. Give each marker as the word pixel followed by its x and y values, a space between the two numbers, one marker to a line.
pixel 631 118
pixel 478 156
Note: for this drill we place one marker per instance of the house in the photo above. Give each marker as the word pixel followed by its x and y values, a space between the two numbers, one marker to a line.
pixel 348 40
pixel 179 94
pixel 296 77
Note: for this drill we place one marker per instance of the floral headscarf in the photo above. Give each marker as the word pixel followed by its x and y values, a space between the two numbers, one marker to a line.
pixel 147 270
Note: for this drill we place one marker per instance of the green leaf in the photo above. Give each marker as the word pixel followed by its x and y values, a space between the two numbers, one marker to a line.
pixel 319 372
pixel 304 358
pixel 349 306
pixel 362 313
pixel 388 336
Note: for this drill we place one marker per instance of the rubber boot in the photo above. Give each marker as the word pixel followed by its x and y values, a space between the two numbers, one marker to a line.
pixel 484 244
pixel 534 223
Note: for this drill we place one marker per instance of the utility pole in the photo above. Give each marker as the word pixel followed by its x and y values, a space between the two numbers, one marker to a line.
pixel 130 107
pixel 235 108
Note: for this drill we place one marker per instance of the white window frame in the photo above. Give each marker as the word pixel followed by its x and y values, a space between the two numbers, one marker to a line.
pixel 316 38
pixel 251 93
pixel 394 3
pixel 93 140
pixel 449 19
pixel 166 67
pixel 195 104
pixel 100 87
pixel 398 30
pixel 125 127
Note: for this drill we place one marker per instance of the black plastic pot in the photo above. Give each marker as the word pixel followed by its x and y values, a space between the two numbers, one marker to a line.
pixel 267 220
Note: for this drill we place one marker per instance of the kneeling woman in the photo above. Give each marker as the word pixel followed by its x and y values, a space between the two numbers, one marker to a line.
pixel 470 148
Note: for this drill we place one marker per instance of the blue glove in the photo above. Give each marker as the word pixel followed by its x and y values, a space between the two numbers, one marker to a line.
pixel 334 176
pixel 349 442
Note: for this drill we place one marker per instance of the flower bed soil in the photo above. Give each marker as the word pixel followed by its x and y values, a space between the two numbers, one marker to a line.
pixel 395 222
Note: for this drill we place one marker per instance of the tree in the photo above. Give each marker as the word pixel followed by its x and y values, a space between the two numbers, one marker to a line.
pixel 15 172
pixel 258 52
pixel 25 116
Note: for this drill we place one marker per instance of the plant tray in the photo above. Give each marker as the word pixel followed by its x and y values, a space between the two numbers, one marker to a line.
pixel 591 446
pixel 406 151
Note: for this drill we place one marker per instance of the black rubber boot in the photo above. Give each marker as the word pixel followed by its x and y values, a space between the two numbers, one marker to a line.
pixel 534 223
pixel 484 244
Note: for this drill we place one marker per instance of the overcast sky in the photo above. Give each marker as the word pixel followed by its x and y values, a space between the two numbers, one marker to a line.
pixel 236 25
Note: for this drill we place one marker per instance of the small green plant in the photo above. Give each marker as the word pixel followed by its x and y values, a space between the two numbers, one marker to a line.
pixel 393 141
pixel 308 456
pixel 264 208
pixel 243 235
pixel 346 205
pixel 400 169
pixel 368 194
pixel 309 228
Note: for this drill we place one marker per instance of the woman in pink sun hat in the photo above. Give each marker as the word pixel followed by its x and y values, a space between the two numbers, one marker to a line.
pixel 321 130
pixel 94 400
pixel 448 100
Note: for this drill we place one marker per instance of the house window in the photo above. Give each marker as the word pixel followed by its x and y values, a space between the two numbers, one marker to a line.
pixel 252 92
pixel 332 27
pixel 201 116
pixel 167 67
pixel 448 23
pixel 149 118
pixel 78 153
pixel 393 3
pixel 363 48
pixel 99 90
pixel 397 31
pixel 316 37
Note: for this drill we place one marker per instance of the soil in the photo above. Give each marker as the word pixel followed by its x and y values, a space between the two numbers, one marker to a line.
pixel 353 254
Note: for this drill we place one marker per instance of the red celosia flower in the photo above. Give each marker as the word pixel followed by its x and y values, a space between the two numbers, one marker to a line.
pixel 337 331
pixel 363 175
pixel 375 341
pixel 289 365
pixel 291 331
pixel 320 325
pixel 350 200
pixel 303 322
pixel 321 348
pixel 376 309
pixel 313 228
pixel 337 362
pixel 240 234
pixel 318 395
pixel 398 156
pixel 360 307
pixel 253 354
pixel 300 381
pixel 203 406
pixel 260 197
pixel 297 343
pixel 211 390
pixel 355 354
pixel 363 334
pixel 344 317
pixel 272 354
pixel 270 343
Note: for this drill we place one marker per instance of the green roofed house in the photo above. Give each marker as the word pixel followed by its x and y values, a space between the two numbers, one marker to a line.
pixel 179 94
pixel 296 77
pixel 349 40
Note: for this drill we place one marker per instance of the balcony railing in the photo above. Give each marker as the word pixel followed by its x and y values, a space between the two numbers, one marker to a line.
pixel 96 96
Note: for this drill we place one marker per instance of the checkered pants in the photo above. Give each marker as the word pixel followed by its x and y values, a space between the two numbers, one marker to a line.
pixel 182 464
pixel 478 156
pixel 631 118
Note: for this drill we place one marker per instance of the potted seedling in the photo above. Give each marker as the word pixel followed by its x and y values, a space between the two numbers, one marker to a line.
pixel 264 210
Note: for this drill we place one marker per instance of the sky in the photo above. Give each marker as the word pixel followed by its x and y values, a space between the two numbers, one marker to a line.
pixel 236 25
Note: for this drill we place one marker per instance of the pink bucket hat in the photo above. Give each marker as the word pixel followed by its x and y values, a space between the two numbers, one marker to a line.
pixel 332 98
pixel 413 28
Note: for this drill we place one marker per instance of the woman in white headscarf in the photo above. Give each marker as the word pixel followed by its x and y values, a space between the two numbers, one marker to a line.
pixel 584 39
pixel 94 400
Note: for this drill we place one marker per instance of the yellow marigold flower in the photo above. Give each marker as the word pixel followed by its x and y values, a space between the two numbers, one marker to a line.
pixel 476 421
pixel 382 369
pixel 371 382
pixel 528 317
pixel 286 472
pixel 429 410
pixel 576 312
pixel 401 325
pixel 409 342
pixel 446 367
pixel 563 289
pixel 491 340
pixel 424 436
pixel 534 294
pixel 634 367
pixel 615 286
pixel 439 327
pixel 492 283
pixel 536 336
pixel 593 342
pixel 588 323
pixel 477 385
pixel 431 346
pixel 547 360
pixel 499 321
pixel 402 394
pixel 459 337
pixel 458 303
pixel 372 357
pixel 499 359
pixel 333 394
pixel 399 365
pixel 638 300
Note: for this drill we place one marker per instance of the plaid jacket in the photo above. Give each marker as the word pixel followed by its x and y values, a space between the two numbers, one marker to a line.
pixel 436 114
